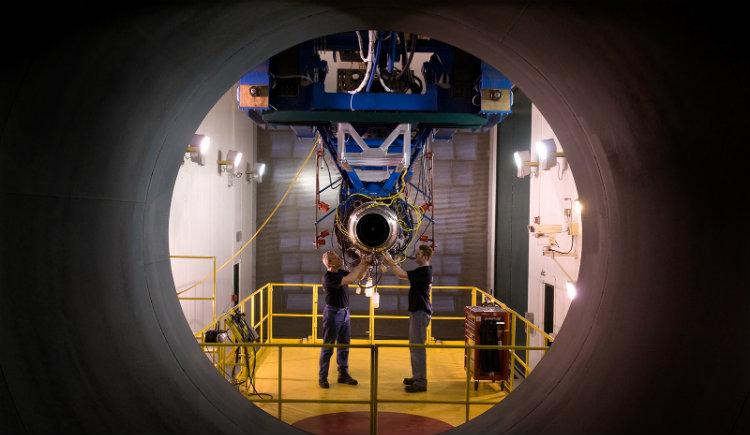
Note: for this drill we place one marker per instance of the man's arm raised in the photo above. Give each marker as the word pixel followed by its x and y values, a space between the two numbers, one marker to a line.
pixel 356 273
pixel 397 270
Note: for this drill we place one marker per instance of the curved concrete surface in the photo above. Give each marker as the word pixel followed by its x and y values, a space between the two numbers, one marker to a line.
pixel 647 101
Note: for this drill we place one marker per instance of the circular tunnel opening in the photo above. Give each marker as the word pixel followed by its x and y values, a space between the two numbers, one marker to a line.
pixel 467 157
pixel 624 120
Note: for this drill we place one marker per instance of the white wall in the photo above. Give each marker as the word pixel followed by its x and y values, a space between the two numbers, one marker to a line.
pixel 206 213
pixel 548 192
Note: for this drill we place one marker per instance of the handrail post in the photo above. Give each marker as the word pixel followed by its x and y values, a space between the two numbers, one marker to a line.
pixel 252 312
pixel 220 362
pixel 527 351
pixel 372 318
pixel 468 378
pixel 512 351
pixel 473 296
pixel 213 302
pixel 222 356
pixel 262 306
pixel 430 339
pixel 279 391
pixel 270 313
pixel 374 390
pixel 314 335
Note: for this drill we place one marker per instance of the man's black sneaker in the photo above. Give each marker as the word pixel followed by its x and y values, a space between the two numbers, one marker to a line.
pixel 346 379
pixel 408 381
pixel 323 383
pixel 414 388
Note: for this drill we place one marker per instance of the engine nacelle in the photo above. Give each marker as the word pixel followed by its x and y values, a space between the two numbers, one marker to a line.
pixel 373 228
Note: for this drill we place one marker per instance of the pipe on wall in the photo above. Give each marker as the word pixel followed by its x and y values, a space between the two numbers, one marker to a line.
pixel 94 122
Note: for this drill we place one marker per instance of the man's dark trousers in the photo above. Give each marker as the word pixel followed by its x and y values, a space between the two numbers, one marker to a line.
pixel 336 329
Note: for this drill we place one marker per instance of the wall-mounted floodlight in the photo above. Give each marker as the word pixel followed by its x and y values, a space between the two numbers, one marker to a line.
pixel 198 147
pixel 523 163
pixel 571 289
pixel 546 151
pixel 230 165
pixel 257 173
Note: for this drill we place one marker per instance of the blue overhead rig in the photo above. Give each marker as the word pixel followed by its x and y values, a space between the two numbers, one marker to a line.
pixel 359 96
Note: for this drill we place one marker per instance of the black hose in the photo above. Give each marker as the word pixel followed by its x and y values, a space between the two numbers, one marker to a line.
pixel 405 67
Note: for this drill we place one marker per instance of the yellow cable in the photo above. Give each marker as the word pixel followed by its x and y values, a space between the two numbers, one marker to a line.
pixel 247 243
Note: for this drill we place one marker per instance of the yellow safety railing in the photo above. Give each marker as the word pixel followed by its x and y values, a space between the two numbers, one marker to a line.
pixel 261 300
pixel 374 399
pixel 477 294
pixel 514 321
pixel 213 290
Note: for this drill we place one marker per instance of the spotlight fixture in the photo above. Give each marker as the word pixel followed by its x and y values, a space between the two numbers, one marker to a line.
pixel 257 173
pixel 198 147
pixel 546 151
pixel 230 165
pixel 571 288
pixel 523 163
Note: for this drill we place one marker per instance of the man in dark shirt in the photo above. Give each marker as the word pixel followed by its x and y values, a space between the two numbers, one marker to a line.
pixel 336 320
pixel 420 312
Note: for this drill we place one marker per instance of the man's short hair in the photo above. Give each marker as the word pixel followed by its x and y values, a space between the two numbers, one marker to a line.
pixel 327 254
pixel 426 251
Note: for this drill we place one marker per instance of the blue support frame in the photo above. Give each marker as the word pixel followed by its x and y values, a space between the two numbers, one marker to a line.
pixel 322 100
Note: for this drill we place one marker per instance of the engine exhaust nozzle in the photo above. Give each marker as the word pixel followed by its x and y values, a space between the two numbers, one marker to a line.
pixel 373 228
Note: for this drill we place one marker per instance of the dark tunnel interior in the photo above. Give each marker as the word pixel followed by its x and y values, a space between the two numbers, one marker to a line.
pixel 648 101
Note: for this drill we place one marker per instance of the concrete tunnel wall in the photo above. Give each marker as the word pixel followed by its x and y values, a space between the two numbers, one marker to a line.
pixel 644 99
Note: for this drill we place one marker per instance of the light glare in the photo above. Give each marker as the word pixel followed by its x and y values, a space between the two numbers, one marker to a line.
pixel 205 145
pixel 577 206
pixel 571 288
pixel 541 151
pixel 517 158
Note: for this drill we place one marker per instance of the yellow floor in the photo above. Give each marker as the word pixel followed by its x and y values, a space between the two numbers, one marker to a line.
pixel 445 373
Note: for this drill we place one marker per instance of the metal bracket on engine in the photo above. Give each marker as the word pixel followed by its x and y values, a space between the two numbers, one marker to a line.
pixel 374 156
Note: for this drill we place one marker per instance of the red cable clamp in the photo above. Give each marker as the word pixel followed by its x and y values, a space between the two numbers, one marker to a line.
pixel 323 206
pixel 424 207
pixel 320 239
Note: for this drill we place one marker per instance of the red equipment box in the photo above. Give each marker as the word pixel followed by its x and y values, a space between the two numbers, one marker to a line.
pixel 476 359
